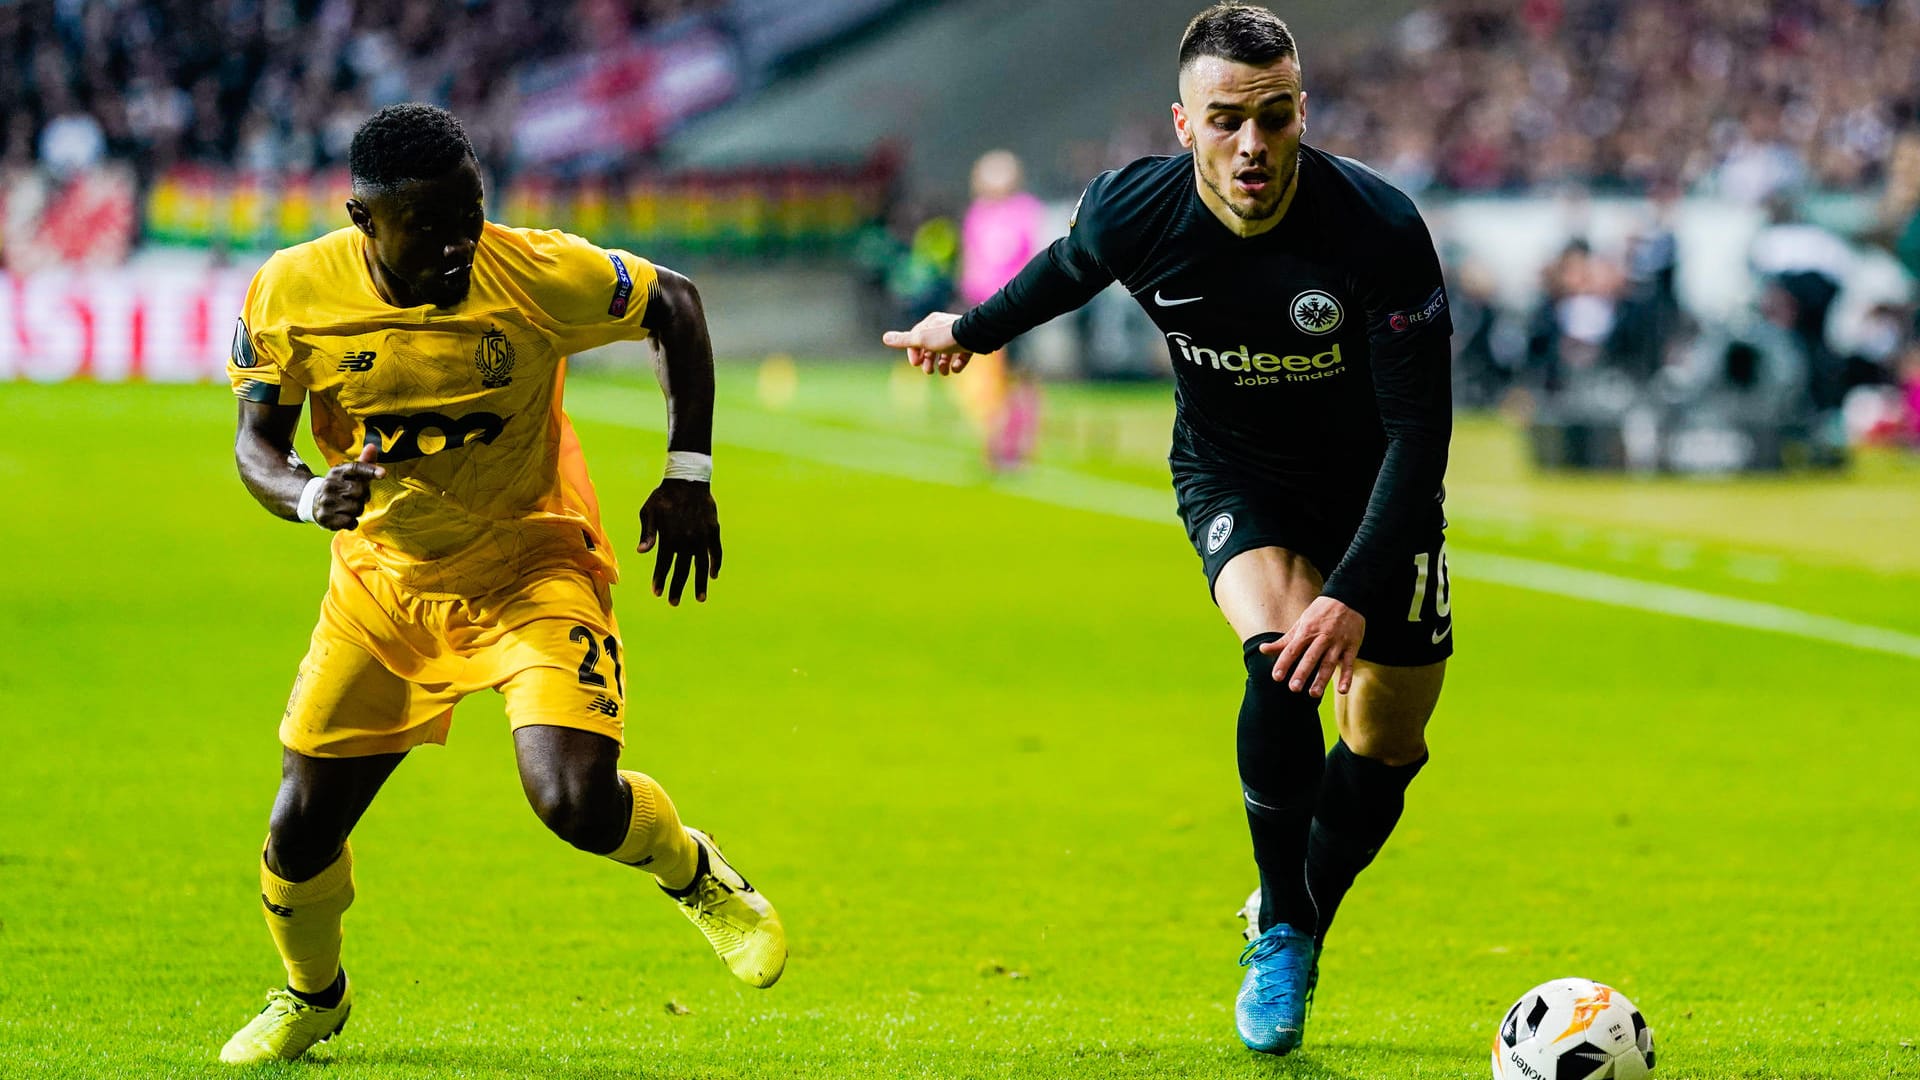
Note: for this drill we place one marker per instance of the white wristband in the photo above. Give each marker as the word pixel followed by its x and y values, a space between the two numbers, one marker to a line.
pixel 307 496
pixel 687 465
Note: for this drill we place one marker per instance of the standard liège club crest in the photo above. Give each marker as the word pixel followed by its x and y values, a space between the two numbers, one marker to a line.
pixel 494 358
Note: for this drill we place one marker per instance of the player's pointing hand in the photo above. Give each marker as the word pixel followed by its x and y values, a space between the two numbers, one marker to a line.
pixel 343 496
pixel 930 345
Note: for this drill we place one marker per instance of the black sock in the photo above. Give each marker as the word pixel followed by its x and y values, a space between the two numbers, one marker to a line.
pixel 1280 763
pixel 324 999
pixel 1360 802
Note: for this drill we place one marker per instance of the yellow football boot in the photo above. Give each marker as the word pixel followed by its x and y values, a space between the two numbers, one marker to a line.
pixel 286 1028
pixel 738 922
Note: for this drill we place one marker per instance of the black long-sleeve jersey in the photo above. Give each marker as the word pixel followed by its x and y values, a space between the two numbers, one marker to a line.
pixel 1314 356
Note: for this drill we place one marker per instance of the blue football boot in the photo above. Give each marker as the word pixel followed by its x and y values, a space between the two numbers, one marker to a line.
pixel 1250 913
pixel 1271 1011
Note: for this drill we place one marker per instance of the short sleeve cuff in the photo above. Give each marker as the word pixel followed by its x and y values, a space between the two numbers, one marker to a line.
pixel 247 388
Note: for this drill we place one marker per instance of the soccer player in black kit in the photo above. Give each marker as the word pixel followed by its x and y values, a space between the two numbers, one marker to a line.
pixel 1304 310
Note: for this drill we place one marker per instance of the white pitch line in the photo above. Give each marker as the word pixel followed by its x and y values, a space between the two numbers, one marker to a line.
pixel 890 455
pixel 1626 592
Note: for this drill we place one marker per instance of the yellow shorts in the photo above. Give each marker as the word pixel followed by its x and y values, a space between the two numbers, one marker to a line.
pixel 386 667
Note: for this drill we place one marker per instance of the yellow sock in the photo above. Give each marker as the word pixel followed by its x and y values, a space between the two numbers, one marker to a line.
pixel 656 841
pixel 304 918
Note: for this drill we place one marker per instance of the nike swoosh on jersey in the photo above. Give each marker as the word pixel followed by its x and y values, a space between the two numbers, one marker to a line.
pixel 1164 302
pixel 1441 635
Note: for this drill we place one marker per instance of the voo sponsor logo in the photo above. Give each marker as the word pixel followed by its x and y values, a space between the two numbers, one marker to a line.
pixel 1259 368
pixel 405 437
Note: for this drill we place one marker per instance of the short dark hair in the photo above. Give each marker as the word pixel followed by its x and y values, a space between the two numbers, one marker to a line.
pixel 1242 33
pixel 402 143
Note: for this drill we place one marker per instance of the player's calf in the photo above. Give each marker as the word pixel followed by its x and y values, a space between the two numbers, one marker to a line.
pixel 304 918
pixel 1361 800
pixel 652 837
pixel 737 921
pixel 1280 756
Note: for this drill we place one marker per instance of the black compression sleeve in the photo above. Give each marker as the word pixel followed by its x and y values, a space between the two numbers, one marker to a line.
pixel 1056 281
pixel 1415 395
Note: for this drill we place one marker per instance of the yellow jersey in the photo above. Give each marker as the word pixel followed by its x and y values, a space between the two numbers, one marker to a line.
pixel 485 480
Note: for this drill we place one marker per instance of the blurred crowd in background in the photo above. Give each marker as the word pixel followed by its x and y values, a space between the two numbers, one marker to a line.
pixel 1772 106
pixel 274 84
pixel 1735 97
pixel 224 124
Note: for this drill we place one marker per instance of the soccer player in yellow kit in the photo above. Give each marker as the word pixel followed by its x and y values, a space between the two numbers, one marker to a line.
pixel 431 346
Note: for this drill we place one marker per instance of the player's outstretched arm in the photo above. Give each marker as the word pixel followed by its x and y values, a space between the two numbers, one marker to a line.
pixel 1060 278
pixel 277 477
pixel 930 346
pixel 680 520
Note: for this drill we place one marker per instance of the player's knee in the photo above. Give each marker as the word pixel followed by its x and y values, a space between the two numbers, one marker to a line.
pixel 302 838
pixel 1260 665
pixel 1261 684
pixel 1391 748
pixel 582 810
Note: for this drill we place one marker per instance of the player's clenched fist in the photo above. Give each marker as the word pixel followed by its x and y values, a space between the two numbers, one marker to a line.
pixel 345 489
pixel 930 345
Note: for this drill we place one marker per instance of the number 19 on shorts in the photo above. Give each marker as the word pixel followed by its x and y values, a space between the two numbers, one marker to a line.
pixel 1430 568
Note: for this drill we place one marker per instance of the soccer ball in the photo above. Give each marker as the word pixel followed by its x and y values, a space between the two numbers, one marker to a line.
pixel 1572 1029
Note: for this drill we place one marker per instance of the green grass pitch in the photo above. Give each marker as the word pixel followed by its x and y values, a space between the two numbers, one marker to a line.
pixel 975 738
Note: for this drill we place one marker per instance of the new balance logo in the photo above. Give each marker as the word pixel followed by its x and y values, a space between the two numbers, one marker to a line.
pixel 283 912
pixel 357 361
pixel 604 704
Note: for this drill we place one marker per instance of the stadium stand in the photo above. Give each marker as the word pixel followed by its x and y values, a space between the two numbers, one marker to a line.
pixel 1645 206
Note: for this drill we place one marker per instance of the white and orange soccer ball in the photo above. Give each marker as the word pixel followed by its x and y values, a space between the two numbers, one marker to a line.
pixel 1573 1029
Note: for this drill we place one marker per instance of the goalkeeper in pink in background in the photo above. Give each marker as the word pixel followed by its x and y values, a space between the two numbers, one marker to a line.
pixel 1005 227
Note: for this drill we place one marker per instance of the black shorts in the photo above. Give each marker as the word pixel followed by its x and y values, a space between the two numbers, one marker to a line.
pixel 1409 624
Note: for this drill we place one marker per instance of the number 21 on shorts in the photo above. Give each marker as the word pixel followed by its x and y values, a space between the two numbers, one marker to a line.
pixel 590 663
pixel 1431 566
